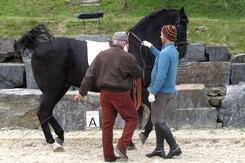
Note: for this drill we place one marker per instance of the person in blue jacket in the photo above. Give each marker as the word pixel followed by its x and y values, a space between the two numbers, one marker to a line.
pixel 162 89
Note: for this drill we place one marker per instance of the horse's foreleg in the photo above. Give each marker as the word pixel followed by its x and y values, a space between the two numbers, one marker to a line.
pixel 149 126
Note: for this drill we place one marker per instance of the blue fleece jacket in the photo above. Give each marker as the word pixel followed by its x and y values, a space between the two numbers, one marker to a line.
pixel 164 72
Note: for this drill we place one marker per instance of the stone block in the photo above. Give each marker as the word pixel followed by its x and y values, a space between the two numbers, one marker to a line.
pixel 237 73
pixel 217 53
pixel 18 107
pixel 190 108
pixel 191 96
pixel 71 114
pixel 195 53
pixel 12 75
pixel 211 74
pixel 192 118
pixel 22 109
pixel 30 81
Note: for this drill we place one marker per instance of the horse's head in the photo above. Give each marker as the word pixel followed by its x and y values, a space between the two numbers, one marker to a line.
pixel 149 28
pixel 181 26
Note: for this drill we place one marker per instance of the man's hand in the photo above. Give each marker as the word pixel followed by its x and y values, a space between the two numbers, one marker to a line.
pixel 147 44
pixel 151 98
pixel 78 97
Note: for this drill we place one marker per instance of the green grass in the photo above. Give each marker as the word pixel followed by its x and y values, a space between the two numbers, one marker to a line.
pixel 215 22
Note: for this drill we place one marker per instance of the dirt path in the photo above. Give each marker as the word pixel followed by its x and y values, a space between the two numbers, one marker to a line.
pixel 218 145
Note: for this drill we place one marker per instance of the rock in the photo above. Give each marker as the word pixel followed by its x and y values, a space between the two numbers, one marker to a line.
pixel 240 58
pixel 232 112
pixel 217 91
pixel 216 101
pixel 7 49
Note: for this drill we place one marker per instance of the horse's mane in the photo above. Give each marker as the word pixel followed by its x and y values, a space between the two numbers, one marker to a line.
pixel 148 18
pixel 38 33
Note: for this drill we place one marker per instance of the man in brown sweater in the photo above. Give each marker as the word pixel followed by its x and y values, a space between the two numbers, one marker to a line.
pixel 112 71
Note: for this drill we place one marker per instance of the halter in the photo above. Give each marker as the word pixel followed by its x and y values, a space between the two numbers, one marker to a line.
pixel 178 21
pixel 180 44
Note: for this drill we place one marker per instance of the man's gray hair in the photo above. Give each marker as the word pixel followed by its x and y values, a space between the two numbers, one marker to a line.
pixel 122 36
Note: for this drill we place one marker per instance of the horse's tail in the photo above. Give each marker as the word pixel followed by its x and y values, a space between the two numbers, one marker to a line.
pixel 39 33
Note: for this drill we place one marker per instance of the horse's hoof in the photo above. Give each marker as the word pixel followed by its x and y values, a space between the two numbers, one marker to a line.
pixel 59 141
pixel 57 147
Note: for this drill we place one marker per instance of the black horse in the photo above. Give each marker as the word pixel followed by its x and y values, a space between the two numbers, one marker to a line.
pixel 149 28
pixel 60 62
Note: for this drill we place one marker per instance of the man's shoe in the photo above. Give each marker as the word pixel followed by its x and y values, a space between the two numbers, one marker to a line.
pixel 159 153
pixel 112 159
pixel 142 138
pixel 121 153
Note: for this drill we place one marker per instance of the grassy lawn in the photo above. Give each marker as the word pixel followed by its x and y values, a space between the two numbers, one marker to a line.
pixel 212 22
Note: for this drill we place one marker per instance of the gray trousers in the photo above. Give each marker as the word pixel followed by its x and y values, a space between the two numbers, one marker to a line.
pixel 158 107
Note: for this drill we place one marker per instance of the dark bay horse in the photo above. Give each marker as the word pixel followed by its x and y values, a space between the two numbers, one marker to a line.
pixel 149 28
pixel 60 62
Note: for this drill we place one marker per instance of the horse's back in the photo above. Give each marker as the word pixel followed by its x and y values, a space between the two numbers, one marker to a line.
pixel 61 62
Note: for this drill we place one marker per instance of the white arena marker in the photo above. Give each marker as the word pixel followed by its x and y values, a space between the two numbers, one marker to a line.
pixel 92 119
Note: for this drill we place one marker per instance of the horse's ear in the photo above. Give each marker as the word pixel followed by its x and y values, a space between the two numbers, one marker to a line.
pixel 182 10
pixel 15 42
pixel 183 14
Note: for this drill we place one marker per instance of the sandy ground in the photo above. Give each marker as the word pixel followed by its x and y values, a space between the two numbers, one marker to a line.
pixel 206 145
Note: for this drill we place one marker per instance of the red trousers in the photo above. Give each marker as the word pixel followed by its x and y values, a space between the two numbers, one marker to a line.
pixel 113 103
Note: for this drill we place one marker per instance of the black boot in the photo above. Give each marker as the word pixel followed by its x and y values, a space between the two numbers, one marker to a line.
pixel 167 134
pixel 159 150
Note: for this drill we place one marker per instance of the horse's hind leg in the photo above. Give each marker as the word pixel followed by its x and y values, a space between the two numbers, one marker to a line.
pixel 45 114
pixel 58 130
pixel 53 122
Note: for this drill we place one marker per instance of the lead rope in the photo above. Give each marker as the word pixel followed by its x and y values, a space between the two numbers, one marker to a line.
pixel 32 130
pixel 137 93
pixel 144 65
